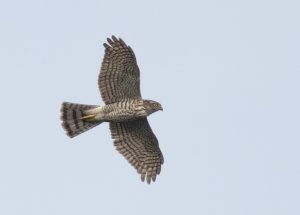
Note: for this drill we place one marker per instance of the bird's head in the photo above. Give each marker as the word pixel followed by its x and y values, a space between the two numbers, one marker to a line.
pixel 152 106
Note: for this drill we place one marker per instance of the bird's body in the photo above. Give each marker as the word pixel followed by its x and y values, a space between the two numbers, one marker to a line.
pixel 131 109
pixel 119 111
pixel 124 109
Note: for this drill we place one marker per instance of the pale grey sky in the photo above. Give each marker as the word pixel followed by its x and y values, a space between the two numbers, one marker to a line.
pixel 226 72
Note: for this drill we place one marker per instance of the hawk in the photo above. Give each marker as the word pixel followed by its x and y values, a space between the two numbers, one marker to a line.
pixel 125 110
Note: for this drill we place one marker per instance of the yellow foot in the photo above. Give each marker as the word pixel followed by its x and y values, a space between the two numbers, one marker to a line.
pixel 88 117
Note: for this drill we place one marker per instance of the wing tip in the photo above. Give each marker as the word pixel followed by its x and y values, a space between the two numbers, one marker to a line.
pixel 114 40
pixel 106 45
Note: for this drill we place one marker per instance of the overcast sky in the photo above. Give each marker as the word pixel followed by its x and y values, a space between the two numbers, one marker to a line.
pixel 226 72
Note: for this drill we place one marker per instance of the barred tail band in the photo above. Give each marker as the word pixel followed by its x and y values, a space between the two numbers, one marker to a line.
pixel 71 116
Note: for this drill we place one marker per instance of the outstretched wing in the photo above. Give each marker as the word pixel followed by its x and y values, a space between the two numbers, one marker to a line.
pixel 138 144
pixel 119 77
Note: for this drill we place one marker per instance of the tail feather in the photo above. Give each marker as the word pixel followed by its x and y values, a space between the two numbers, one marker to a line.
pixel 71 115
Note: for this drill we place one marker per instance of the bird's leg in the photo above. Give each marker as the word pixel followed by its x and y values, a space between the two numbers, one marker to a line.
pixel 88 117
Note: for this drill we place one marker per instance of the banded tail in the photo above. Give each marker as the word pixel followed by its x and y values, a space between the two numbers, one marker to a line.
pixel 72 118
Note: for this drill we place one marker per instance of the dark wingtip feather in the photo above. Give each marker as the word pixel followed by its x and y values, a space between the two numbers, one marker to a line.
pixel 110 41
pixel 105 45
pixel 114 38
pixel 122 41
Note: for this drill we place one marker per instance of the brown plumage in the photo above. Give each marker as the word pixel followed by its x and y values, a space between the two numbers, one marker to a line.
pixel 124 109
pixel 120 75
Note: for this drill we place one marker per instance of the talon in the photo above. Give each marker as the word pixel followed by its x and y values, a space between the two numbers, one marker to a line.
pixel 88 117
